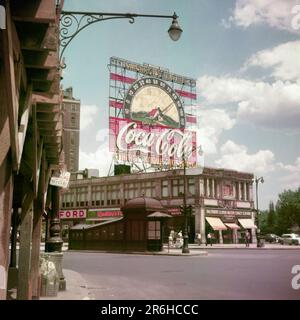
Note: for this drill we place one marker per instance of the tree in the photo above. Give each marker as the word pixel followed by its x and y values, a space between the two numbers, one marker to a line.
pixel 271 218
pixel 288 211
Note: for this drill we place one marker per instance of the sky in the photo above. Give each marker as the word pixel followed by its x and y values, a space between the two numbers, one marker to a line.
pixel 245 56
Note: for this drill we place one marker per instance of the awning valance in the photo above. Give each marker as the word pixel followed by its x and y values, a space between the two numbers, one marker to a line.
pixel 247 223
pixel 232 226
pixel 216 223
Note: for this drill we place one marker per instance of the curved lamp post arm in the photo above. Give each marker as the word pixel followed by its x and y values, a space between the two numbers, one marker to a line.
pixel 73 22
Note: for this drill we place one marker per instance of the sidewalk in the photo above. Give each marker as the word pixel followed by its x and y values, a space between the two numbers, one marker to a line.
pixel 76 288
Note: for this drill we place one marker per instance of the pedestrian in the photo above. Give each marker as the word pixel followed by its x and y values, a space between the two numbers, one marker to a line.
pixel 209 239
pixel 199 238
pixel 247 238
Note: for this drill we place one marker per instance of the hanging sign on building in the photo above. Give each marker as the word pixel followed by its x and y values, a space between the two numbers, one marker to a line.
pixel 62 180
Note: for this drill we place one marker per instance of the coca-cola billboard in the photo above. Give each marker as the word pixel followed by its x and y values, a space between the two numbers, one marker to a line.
pixel 152 116
pixel 154 144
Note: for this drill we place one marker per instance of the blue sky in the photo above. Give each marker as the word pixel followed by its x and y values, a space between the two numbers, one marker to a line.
pixel 245 55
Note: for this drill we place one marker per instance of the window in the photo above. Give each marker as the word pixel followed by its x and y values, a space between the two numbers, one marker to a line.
pixel 165 188
pixel 247 192
pixel 113 197
pixel 131 190
pixel 68 199
pixel 177 187
pixel 73 107
pixel 73 119
pixel 153 230
pixel 191 186
pixel 97 195
pixel 148 188
pixel 242 191
pixel 72 138
pixel 82 197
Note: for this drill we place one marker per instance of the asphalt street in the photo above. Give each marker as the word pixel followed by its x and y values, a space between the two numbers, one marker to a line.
pixel 222 274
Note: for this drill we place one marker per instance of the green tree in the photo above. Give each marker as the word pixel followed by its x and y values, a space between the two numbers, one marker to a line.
pixel 271 218
pixel 288 211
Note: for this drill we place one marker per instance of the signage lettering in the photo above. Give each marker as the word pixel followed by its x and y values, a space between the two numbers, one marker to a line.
pixel 72 214
pixel 167 142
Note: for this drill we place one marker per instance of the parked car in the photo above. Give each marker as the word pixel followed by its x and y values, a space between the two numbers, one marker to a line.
pixel 272 238
pixel 290 238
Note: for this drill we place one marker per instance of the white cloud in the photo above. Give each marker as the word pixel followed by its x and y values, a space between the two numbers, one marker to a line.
pixel 101 158
pixel 284 59
pixel 236 157
pixel 211 124
pixel 87 113
pixel 278 14
pixel 275 105
pixel 291 174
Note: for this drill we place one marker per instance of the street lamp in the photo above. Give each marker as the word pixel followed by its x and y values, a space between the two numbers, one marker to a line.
pixel 72 22
pixel 257 180
pixel 185 246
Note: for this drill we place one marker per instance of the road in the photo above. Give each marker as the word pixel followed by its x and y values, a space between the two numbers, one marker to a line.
pixel 222 274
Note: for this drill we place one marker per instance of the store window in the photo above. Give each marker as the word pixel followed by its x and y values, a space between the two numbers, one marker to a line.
pixel 153 230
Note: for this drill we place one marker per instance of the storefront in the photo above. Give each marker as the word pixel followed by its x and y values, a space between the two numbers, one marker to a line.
pixel 216 193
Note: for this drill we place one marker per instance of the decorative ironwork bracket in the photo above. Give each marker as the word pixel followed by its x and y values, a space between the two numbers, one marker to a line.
pixel 72 23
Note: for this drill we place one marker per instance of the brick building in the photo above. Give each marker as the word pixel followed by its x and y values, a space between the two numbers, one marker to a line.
pixel 71 127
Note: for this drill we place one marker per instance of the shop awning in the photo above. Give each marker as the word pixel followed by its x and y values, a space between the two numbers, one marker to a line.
pixel 247 223
pixel 232 226
pixel 216 223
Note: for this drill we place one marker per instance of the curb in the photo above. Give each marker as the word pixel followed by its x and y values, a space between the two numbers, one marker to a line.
pixel 160 253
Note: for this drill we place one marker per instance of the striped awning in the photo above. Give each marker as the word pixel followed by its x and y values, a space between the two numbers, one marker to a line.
pixel 216 223
pixel 232 226
pixel 247 223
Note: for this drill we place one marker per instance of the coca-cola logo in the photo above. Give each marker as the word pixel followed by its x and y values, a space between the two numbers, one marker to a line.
pixel 162 142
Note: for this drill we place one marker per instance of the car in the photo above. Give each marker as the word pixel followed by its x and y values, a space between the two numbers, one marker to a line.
pixel 290 238
pixel 272 238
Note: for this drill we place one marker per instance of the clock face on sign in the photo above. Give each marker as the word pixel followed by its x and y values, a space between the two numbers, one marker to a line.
pixel 154 102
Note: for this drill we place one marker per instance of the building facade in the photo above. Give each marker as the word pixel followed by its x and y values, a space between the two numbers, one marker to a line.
pixel 71 127
pixel 30 138
pixel 222 200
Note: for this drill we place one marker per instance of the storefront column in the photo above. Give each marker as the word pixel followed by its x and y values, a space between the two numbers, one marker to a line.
pixel 245 191
pixel 6 192
pixel 234 236
pixel 24 282
pixel 202 225
pixel 220 237
pixel 213 188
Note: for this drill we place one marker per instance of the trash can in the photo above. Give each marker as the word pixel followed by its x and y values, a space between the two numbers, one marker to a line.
pixel 49 278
